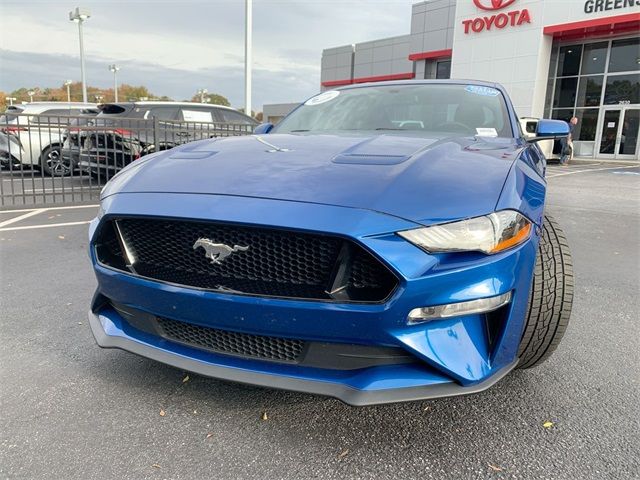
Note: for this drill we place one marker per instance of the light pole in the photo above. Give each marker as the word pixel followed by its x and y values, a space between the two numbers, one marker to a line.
pixel 31 93
pixel 202 92
pixel 247 55
pixel 115 68
pixel 68 85
pixel 11 100
pixel 79 15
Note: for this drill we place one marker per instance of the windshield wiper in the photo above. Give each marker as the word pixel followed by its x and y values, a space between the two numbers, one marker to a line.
pixel 295 131
pixel 390 128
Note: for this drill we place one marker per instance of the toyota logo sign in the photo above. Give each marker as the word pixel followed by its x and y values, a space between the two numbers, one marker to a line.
pixel 496 20
pixel 493 4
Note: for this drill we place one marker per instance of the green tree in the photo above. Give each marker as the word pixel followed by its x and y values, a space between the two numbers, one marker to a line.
pixel 214 98
pixel 253 113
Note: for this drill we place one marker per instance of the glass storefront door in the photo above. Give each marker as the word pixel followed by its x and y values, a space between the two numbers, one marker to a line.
pixel 619 132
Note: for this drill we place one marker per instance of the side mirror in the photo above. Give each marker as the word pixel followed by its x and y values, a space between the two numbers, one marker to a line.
pixel 550 130
pixel 263 128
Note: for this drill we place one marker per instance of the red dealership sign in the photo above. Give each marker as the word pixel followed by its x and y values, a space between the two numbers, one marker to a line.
pixel 512 18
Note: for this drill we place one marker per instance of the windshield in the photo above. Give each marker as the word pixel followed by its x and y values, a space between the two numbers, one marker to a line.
pixel 421 108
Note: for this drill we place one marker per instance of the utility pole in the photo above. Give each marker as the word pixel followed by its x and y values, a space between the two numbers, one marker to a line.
pixel 79 15
pixel 248 27
pixel 68 85
pixel 114 68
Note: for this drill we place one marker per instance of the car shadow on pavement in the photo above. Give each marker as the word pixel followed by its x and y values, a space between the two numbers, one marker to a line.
pixel 298 414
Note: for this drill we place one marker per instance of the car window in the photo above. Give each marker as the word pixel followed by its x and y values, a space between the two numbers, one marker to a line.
pixel 163 113
pixel 112 109
pixel 197 115
pixel 230 116
pixel 531 126
pixel 55 115
pixel 435 108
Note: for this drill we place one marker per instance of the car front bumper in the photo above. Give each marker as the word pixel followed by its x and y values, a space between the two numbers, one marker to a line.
pixel 453 356
pixel 108 332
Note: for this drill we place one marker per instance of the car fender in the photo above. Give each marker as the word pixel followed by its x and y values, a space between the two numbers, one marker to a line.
pixel 524 190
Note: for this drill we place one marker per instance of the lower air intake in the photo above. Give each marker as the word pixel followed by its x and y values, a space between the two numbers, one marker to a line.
pixel 232 343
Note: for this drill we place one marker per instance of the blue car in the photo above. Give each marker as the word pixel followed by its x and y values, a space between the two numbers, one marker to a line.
pixel 384 242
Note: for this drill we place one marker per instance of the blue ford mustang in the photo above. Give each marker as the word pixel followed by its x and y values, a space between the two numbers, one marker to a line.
pixel 385 242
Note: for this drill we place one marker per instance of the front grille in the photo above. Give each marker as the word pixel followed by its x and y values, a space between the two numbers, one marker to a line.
pixel 232 343
pixel 266 262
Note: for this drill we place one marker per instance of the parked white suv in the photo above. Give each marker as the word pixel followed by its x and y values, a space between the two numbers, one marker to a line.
pixel 40 129
pixel 529 127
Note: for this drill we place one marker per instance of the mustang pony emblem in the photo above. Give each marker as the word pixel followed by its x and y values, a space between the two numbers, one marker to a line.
pixel 217 252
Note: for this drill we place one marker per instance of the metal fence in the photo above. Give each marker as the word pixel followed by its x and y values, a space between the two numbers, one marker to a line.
pixel 62 159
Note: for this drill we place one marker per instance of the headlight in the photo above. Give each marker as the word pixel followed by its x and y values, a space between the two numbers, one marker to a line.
pixel 490 234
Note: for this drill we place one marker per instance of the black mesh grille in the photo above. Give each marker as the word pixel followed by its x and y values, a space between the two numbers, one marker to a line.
pixel 266 262
pixel 233 343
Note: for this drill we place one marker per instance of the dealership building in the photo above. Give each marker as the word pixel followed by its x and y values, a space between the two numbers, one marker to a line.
pixel 556 58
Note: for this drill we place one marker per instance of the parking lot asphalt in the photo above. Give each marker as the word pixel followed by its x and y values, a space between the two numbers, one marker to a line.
pixel 30 187
pixel 69 410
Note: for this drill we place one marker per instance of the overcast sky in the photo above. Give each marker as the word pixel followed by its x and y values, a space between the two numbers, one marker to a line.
pixel 176 47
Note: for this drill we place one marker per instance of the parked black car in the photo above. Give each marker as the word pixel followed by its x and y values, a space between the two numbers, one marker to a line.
pixel 123 132
pixel 9 147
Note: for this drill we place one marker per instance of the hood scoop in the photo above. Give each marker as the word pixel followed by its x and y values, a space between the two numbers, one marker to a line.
pixel 184 155
pixel 382 150
pixel 369 159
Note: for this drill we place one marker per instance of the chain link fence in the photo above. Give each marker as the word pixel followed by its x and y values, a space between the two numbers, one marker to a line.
pixel 60 159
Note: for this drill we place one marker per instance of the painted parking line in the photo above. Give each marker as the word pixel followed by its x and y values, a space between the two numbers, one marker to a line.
pixel 22 217
pixel 574 172
pixel 52 225
pixel 72 207
pixel 8 225
pixel 77 190
pixel 626 173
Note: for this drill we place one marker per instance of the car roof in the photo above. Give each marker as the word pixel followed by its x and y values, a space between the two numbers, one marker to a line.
pixel 40 106
pixel 424 82
pixel 152 103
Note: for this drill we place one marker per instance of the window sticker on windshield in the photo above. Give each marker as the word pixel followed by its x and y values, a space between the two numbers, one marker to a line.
pixel 197 116
pixel 486 132
pixel 322 98
pixel 484 91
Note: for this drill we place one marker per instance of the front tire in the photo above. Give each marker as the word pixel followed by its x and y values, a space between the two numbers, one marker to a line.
pixel 551 297
pixel 53 163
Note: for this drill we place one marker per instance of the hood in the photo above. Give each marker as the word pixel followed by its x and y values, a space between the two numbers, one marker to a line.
pixel 424 180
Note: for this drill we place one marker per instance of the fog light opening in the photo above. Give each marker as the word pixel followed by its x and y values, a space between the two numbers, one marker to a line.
pixel 482 305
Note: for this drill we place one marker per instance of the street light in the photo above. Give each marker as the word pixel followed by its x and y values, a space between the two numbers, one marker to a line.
pixel 68 85
pixel 99 98
pixel 11 100
pixel 31 93
pixel 247 55
pixel 202 92
pixel 115 68
pixel 79 15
